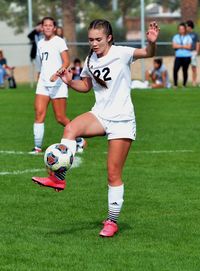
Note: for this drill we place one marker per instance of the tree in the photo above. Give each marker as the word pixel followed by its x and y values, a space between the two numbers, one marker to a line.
pixel 189 10
pixel 125 6
pixel 15 12
pixel 69 23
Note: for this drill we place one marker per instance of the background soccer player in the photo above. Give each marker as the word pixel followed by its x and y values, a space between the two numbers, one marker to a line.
pixel 53 54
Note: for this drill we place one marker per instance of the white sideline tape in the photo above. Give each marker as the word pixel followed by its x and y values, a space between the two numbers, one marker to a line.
pixel 77 162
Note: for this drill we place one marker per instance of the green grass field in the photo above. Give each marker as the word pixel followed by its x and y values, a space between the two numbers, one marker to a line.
pixel 41 230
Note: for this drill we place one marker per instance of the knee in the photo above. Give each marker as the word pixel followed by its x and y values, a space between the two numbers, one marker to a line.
pixel 69 131
pixel 62 119
pixel 39 115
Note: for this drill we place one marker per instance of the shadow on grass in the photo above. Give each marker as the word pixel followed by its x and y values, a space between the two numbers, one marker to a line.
pixel 85 226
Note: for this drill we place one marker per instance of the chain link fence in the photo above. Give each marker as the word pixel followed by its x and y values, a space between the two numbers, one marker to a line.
pixel 17 54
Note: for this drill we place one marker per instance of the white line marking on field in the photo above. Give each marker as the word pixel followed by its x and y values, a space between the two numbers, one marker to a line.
pixel 77 162
pixel 12 152
pixel 19 172
pixel 19 153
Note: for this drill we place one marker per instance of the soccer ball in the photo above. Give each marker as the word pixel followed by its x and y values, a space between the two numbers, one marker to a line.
pixel 58 157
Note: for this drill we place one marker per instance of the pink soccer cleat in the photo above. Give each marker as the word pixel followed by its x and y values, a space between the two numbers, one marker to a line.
pixel 50 181
pixel 109 229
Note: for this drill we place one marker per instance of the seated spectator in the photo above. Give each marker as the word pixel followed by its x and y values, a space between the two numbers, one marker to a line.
pixel 76 69
pixel 2 76
pixel 3 61
pixel 158 76
pixel 9 71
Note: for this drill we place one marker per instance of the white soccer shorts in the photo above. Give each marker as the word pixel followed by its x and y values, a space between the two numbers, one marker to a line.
pixel 60 91
pixel 118 129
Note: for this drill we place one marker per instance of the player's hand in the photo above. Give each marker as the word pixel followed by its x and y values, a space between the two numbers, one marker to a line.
pixel 153 32
pixel 53 78
pixel 65 75
pixel 58 74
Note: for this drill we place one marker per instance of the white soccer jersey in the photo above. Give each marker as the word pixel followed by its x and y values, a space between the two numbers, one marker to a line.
pixel 112 103
pixel 49 53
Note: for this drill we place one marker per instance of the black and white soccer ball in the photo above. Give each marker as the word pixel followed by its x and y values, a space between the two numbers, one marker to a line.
pixel 58 157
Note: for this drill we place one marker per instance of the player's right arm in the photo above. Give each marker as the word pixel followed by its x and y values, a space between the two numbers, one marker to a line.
pixel 83 85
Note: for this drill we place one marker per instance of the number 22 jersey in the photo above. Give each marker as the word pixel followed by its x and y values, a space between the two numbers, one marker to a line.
pixel 112 103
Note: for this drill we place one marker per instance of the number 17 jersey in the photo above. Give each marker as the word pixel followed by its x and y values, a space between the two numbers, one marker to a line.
pixel 49 52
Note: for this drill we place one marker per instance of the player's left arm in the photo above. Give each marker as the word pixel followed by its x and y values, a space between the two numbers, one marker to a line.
pixel 65 59
pixel 65 64
pixel 151 36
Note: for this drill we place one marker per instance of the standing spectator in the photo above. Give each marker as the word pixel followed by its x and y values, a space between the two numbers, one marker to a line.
pixel 158 75
pixel 182 43
pixel 34 36
pixel 59 32
pixel 76 69
pixel 195 50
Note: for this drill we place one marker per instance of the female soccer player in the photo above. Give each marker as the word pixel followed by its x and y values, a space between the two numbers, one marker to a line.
pixel 53 54
pixel 107 71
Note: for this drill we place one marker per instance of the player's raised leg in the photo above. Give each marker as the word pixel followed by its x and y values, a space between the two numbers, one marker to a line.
pixel 59 107
pixel 86 125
